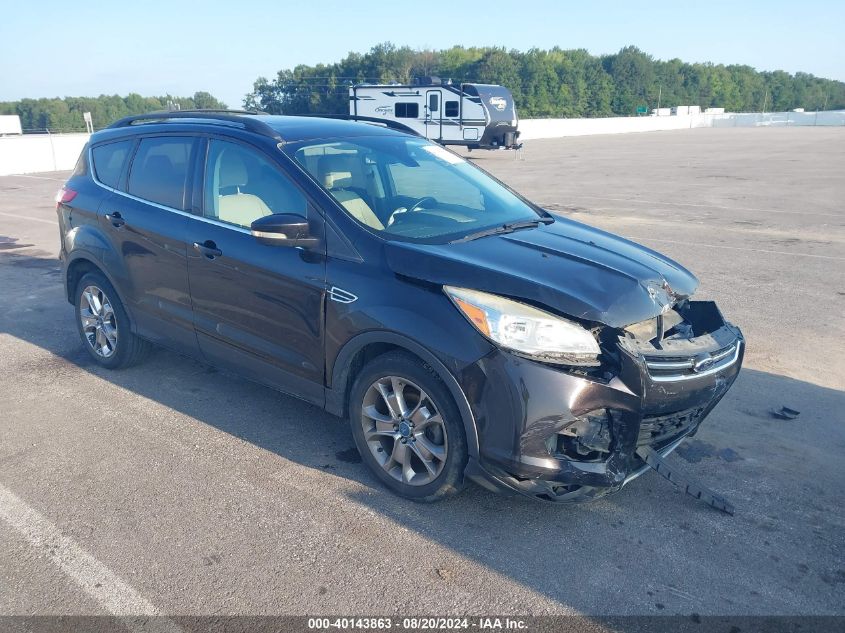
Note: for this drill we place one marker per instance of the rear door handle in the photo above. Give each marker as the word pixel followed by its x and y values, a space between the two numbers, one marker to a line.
pixel 116 219
pixel 208 248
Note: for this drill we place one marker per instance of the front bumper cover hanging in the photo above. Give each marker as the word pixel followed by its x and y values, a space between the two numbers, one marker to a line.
pixel 677 477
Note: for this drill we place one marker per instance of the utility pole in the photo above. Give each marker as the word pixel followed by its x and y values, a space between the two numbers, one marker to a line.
pixel 659 94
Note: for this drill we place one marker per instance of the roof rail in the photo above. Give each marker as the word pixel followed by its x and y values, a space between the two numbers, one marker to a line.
pixel 233 116
pixel 394 125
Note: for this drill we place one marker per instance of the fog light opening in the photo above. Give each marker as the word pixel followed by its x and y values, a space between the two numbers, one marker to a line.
pixel 588 438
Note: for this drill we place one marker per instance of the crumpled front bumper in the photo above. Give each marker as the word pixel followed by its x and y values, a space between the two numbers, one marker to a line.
pixel 523 407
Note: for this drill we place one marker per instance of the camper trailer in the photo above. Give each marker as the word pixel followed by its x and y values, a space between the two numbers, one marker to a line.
pixel 478 116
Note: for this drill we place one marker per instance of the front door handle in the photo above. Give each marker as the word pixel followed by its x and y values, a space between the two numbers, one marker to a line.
pixel 116 219
pixel 208 248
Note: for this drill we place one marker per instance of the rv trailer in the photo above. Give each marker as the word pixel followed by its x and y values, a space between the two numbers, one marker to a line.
pixel 478 116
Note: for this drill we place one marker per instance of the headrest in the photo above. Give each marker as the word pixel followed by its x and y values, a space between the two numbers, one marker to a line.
pixel 334 168
pixel 232 170
pixel 158 163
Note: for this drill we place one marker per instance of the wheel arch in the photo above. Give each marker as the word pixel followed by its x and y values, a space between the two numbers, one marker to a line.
pixel 79 264
pixel 363 347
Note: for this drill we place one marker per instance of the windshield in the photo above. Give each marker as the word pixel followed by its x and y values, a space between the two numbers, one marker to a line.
pixel 409 188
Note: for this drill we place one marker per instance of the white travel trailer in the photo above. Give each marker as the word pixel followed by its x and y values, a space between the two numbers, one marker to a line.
pixel 478 116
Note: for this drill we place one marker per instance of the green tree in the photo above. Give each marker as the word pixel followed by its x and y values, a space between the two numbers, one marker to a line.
pixel 554 83
pixel 206 101
pixel 66 115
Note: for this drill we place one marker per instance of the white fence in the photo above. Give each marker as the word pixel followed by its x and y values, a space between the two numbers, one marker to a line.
pixel 53 152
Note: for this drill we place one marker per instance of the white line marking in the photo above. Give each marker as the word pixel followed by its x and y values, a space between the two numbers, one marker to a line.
pixel 26 217
pixel 705 206
pixel 38 177
pixel 114 595
pixel 733 248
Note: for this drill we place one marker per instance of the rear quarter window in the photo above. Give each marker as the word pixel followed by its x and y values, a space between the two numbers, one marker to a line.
pixel 109 160
pixel 81 167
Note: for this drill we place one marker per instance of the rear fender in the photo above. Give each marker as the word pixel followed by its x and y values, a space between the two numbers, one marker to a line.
pixel 87 243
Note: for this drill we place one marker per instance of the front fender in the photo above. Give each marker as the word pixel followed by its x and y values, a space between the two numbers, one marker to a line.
pixel 336 392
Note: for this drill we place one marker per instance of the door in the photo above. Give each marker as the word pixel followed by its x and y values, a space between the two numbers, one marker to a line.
pixel 145 220
pixel 433 115
pixel 258 309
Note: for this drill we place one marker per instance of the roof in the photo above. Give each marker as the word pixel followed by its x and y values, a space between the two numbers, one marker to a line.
pixel 277 127
pixel 306 128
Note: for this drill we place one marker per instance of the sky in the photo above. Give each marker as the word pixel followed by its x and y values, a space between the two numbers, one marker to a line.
pixel 57 49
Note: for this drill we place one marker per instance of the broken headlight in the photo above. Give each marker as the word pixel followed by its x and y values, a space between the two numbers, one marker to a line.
pixel 525 329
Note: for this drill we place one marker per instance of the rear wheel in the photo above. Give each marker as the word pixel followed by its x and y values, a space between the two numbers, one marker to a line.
pixel 103 325
pixel 407 428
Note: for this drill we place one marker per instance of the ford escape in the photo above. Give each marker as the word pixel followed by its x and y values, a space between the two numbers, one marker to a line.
pixel 464 332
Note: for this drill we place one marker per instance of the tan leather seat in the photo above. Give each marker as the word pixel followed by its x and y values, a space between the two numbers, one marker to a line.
pixel 237 208
pixel 337 171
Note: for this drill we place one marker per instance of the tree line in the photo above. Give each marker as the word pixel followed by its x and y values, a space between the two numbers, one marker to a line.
pixel 65 115
pixel 552 83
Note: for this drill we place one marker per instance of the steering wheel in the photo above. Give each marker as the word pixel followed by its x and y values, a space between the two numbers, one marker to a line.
pixel 414 207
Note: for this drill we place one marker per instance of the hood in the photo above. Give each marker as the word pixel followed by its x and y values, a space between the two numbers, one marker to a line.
pixel 571 268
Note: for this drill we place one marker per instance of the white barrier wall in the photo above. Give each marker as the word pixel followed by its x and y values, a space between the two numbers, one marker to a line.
pixel 557 128
pixel 53 152
pixel 39 152
pixel 779 119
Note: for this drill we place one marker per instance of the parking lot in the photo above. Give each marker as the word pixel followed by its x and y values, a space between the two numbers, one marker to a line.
pixel 173 488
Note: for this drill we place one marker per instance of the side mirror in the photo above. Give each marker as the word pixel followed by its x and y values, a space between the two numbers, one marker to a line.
pixel 283 229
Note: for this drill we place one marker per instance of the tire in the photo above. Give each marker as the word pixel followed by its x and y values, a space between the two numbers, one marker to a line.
pixel 428 440
pixel 106 333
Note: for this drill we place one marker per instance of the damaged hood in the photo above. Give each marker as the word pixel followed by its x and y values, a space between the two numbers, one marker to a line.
pixel 572 268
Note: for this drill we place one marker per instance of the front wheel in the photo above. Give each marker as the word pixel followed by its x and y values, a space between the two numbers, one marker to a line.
pixel 407 428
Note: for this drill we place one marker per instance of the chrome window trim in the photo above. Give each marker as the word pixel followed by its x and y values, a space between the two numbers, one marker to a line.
pixel 226 225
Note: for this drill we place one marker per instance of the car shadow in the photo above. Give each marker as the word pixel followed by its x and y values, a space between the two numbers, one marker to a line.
pixel 648 550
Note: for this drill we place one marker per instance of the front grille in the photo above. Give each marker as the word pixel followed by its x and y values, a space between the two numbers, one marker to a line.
pixel 672 368
pixel 658 431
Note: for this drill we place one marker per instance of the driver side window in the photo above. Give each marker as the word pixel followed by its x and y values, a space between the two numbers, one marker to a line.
pixel 241 186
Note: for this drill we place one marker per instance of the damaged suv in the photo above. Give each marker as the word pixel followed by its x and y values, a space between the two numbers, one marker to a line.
pixel 464 332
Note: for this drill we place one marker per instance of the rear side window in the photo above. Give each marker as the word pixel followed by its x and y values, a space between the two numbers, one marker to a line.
pixel 407 110
pixel 451 108
pixel 160 169
pixel 109 160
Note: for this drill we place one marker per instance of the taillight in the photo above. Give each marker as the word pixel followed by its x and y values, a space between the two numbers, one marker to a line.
pixel 64 196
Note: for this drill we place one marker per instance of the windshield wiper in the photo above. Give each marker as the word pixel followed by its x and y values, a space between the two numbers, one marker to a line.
pixel 507 227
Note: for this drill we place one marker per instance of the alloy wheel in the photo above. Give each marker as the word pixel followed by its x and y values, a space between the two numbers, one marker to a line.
pixel 404 430
pixel 99 324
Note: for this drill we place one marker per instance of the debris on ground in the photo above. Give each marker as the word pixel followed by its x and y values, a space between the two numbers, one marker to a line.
pixel 785 413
